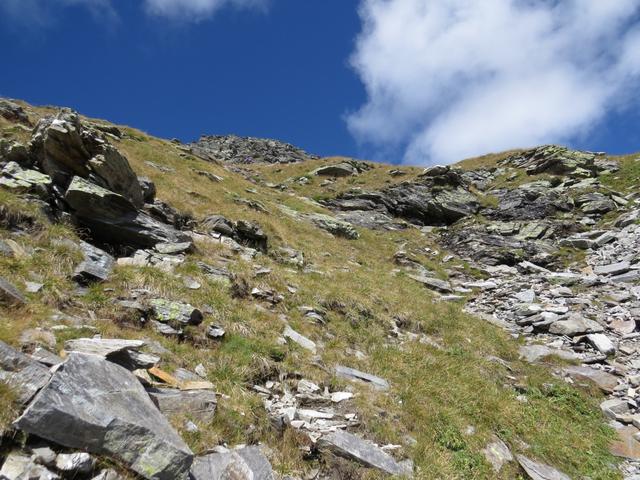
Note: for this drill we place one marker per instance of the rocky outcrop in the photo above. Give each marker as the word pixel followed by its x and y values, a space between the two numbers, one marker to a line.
pixel 13 112
pixel 345 168
pixel 93 404
pixel 247 150
pixel 557 160
pixel 438 197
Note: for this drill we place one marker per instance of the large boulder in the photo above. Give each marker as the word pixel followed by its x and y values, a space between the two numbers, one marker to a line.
pixel 98 406
pixel 113 219
pixel 64 148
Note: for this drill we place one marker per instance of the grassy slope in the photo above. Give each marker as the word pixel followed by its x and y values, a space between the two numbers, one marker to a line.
pixel 436 394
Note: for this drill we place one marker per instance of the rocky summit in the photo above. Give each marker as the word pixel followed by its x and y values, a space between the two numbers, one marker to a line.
pixel 236 308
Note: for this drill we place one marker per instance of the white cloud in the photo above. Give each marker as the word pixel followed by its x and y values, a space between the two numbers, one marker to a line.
pixel 449 79
pixel 196 9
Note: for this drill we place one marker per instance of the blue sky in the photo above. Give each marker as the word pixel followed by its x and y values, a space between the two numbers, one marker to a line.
pixel 413 81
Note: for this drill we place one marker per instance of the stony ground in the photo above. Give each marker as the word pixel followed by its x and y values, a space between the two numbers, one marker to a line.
pixel 238 308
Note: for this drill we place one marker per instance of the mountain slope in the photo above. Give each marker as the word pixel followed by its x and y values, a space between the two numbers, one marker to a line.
pixel 401 301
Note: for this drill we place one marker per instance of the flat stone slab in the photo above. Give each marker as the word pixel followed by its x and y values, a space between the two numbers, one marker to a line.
pixel 247 463
pixel 540 471
pixel 606 381
pixel 535 353
pixel 347 445
pixel 433 283
pixel 497 454
pixel 199 404
pixel 24 375
pixel 575 325
pixel 612 269
pixel 300 339
pixel 353 374
pixel 625 445
pixel 102 347
pixel 100 407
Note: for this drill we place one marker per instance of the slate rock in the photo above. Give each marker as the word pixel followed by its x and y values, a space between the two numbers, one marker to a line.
pixel 617 409
pixel 114 219
pixel 96 266
pixel 602 343
pixel 334 226
pixel 13 112
pixel 353 374
pixel 540 471
pixel 347 445
pixel 612 269
pixel 74 463
pixel 24 375
pixel 98 406
pixel 344 169
pixel 10 295
pixel 18 466
pixel 102 347
pixel 626 445
pixel 535 353
pixel 606 381
pixel 575 325
pixel 199 404
pixel 248 463
pixel 497 454
pixel 300 339
pixel 168 311
pixel 433 283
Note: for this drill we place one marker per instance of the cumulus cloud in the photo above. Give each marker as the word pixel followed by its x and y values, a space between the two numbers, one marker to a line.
pixel 449 79
pixel 196 10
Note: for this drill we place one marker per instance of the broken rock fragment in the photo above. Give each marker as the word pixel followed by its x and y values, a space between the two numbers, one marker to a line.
pixel 353 374
pixel 24 375
pixel 248 463
pixel 347 445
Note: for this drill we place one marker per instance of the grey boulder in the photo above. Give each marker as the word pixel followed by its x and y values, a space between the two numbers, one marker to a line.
pixel 167 311
pixel 114 219
pixel 100 407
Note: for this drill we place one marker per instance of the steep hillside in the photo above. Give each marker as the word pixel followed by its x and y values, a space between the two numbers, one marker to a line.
pixel 238 308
